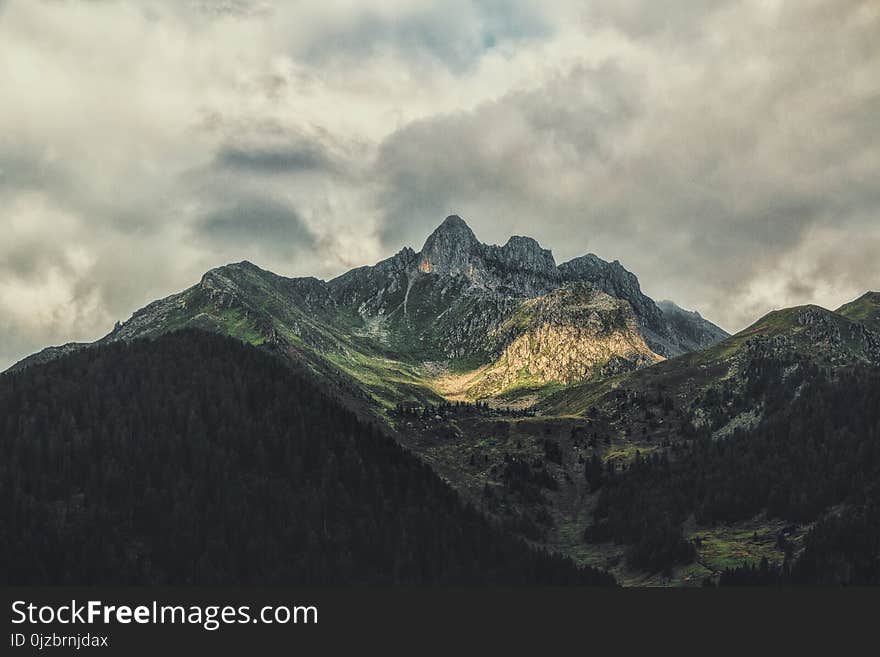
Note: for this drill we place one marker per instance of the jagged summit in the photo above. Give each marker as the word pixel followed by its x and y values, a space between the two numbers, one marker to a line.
pixel 520 268
pixel 451 249
pixel 526 253
pixel 453 231
pixel 690 324
pixel 455 223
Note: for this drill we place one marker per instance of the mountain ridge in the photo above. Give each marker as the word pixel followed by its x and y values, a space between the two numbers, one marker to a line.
pixel 455 301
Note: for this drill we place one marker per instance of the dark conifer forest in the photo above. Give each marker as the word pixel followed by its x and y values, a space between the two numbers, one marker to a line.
pixel 815 457
pixel 195 459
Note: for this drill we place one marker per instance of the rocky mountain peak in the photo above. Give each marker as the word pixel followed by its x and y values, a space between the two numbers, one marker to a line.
pixel 614 279
pixel 454 223
pixel 450 248
pixel 519 268
pixel 453 231
pixel 526 253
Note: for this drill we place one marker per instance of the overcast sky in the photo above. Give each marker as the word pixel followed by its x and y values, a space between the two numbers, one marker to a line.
pixel 727 152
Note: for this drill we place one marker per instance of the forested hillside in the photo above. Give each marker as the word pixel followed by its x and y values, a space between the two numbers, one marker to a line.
pixel 195 459
pixel 814 458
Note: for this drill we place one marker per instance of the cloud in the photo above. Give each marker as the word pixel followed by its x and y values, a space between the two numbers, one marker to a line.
pixel 706 166
pixel 256 225
pixel 640 19
pixel 275 160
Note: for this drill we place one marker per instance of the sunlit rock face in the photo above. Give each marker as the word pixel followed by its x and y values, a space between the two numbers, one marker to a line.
pixel 568 335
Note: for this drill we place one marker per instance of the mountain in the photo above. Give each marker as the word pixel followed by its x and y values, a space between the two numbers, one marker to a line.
pixel 567 407
pixel 458 319
pixel 570 334
pixel 212 463
pixel 668 330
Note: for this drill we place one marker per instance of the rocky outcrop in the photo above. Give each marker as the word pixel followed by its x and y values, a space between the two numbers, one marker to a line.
pixel 670 331
pixel 615 280
pixel 453 250
pixel 824 336
pixel 566 336
pixel 375 290
pixel 522 268
pixel 519 268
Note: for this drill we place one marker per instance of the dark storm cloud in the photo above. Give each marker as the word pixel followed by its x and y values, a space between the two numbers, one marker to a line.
pixel 290 159
pixel 256 225
pixel 505 151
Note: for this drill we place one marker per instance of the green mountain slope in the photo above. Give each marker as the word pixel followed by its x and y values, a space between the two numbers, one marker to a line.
pixel 865 310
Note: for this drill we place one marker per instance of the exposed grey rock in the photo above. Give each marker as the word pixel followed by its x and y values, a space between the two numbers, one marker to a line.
pixel 614 279
pixel 669 333
pixel 452 249
pixel 520 268
pixel 691 329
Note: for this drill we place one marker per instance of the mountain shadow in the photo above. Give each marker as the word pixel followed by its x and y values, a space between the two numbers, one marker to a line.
pixel 194 459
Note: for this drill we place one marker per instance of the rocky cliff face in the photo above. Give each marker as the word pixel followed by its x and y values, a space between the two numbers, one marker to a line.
pixel 612 278
pixel 669 330
pixel 519 268
pixel 568 335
